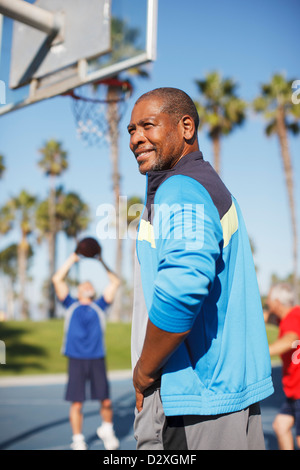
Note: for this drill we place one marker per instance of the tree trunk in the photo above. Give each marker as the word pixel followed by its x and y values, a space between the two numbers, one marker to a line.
pixel 113 126
pixel 52 247
pixel 217 153
pixel 22 268
pixel 10 301
pixel 288 171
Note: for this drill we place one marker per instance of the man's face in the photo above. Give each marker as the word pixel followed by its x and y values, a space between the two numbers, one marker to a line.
pixel 272 304
pixel 155 138
pixel 86 291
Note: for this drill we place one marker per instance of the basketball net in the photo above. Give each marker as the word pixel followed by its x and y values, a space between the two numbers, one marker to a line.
pixel 98 108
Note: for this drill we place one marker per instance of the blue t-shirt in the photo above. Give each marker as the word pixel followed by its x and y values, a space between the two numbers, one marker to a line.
pixel 84 328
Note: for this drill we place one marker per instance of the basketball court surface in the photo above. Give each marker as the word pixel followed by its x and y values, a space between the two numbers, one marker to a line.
pixel 34 415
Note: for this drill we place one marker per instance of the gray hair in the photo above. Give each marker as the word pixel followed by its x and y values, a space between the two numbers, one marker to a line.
pixel 284 293
pixel 176 103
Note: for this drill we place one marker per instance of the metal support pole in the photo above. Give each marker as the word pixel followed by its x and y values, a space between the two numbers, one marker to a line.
pixel 31 15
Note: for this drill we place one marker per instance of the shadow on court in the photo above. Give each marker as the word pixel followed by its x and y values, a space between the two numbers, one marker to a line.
pixel 37 417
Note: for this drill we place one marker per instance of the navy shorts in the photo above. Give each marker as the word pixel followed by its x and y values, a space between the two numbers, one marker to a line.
pixel 84 372
pixel 292 407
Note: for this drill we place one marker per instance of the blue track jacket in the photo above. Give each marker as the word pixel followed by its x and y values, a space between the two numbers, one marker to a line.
pixel 194 270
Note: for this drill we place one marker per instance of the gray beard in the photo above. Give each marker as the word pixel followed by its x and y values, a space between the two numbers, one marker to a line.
pixel 160 165
pixel 88 294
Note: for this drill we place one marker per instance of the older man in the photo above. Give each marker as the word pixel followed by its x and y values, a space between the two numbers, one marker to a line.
pixel 84 346
pixel 281 303
pixel 199 348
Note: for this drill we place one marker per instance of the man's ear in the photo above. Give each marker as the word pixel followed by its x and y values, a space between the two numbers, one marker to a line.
pixel 188 127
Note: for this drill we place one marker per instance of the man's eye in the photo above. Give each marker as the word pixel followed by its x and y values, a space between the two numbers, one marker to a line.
pixel 147 125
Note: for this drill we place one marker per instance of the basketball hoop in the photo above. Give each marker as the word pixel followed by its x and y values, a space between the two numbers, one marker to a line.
pixel 98 108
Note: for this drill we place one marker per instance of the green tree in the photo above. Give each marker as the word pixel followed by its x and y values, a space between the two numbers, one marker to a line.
pixel 220 110
pixel 73 214
pixel 282 117
pixel 9 269
pixel 71 217
pixel 53 163
pixel 124 41
pixel 2 166
pixel 6 219
pixel 44 233
pixel 23 207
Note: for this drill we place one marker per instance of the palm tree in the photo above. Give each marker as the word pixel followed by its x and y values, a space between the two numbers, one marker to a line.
pixel 6 224
pixel 6 219
pixel 73 213
pixel 74 217
pixel 23 207
pixel 71 217
pixel 43 226
pixel 282 116
pixel 220 110
pixel 2 166
pixel 123 39
pixel 9 268
pixel 53 163
pixel 123 45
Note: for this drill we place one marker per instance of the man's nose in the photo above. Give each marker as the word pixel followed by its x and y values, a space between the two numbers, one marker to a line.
pixel 137 137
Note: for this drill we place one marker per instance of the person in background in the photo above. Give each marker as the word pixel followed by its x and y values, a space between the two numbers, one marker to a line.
pixel 280 302
pixel 84 346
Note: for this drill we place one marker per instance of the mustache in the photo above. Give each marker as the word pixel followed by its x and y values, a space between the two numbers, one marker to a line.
pixel 88 293
pixel 140 150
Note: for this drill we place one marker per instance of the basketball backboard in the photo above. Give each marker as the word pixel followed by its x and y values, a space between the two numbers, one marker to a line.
pixel 98 39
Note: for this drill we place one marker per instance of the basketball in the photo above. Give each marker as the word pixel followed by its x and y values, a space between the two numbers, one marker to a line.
pixel 88 247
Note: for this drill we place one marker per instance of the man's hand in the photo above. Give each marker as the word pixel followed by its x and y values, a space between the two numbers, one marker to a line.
pixel 61 287
pixel 158 346
pixel 141 382
pixel 75 257
pixel 283 344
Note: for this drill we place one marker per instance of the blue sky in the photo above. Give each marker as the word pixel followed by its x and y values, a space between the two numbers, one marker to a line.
pixel 247 41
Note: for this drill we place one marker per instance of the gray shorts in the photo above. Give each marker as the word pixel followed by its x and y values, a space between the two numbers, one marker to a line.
pixel 241 430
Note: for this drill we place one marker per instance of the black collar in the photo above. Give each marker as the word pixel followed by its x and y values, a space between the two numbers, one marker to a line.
pixel 155 178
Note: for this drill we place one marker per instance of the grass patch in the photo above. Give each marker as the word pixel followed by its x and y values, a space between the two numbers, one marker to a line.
pixel 35 347
pixel 272 335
